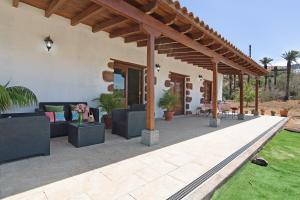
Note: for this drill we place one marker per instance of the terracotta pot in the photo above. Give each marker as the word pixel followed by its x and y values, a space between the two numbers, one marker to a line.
pixel 169 115
pixel 107 121
pixel 284 113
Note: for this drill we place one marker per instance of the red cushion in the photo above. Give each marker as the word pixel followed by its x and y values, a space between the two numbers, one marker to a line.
pixel 51 116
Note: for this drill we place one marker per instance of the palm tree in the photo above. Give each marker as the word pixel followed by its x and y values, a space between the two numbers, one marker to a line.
pixel 265 61
pixel 15 96
pixel 290 57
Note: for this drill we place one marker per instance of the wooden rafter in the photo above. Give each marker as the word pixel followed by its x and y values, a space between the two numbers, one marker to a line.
pixel 170 20
pixel 125 31
pixel 131 12
pixel 207 42
pixel 108 23
pixel 185 29
pixel 189 53
pixel 150 7
pixel 87 13
pixel 53 6
pixel 197 36
pixel 175 50
pixel 162 40
pixel 169 46
pixel 135 38
pixel 191 57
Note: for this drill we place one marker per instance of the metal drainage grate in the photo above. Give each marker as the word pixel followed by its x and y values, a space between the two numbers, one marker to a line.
pixel 204 177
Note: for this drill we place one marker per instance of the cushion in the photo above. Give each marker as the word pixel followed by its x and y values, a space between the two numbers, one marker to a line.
pixel 50 116
pixel 60 117
pixel 75 116
pixel 50 108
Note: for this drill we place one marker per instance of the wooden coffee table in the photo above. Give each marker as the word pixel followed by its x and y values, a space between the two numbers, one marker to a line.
pixel 86 134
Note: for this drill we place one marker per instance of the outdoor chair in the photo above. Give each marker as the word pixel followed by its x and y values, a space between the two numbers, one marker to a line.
pixel 129 123
pixel 23 135
pixel 204 109
pixel 224 110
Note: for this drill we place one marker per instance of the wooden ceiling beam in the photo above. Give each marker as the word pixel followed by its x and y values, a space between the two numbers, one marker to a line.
pixel 207 43
pixel 15 3
pixel 53 6
pixel 170 20
pixel 135 38
pixel 193 53
pixel 216 47
pixel 196 36
pixel 133 13
pixel 175 50
pixel 169 46
pixel 85 14
pixel 150 7
pixel 224 52
pixel 125 31
pixel 192 57
pixel 108 23
pixel 158 41
pixel 185 29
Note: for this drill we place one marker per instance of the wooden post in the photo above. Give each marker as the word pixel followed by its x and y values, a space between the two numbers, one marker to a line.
pixel 256 95
pixel 151 34
pixel 215 90
pixel 150 136
pixel 241 83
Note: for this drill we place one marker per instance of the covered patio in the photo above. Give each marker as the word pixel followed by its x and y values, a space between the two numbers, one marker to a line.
pixel 126 169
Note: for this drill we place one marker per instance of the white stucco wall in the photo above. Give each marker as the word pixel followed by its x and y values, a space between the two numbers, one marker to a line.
pixel 72 70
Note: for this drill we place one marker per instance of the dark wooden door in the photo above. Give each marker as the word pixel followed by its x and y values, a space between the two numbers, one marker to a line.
pixel 178 89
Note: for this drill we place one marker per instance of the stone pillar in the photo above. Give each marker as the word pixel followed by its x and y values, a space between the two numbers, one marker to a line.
pixel 150 136
pixel 214 121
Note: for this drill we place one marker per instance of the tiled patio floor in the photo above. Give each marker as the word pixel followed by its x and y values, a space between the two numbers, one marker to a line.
pixel 125 169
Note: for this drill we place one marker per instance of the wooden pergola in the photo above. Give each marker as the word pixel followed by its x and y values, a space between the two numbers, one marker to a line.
pixel 159 25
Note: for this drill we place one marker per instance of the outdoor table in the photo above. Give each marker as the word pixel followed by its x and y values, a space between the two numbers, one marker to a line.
pixel 86 134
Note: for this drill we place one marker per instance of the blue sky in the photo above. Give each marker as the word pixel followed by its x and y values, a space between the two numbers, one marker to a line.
pixel 271 26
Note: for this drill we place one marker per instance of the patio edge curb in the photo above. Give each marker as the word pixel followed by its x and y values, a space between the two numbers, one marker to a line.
pixel 204 186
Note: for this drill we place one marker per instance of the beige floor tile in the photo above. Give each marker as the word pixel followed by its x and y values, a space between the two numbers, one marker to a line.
pixel 159 189
pixel 126 197
pixel 188 172
pixel 148 174
pixel 122 169
pixel 82 196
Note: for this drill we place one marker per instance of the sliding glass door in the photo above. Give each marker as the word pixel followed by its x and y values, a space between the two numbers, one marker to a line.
pixel 128 82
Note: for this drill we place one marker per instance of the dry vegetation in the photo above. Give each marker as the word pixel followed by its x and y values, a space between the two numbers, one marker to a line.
pixel 292 105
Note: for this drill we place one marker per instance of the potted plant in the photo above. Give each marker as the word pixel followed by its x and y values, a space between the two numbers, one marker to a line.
pixel 168 102
pixel 273 113
pixel 108 102
pixel 246 111
pixel 262 111
pixel 284 112
pixel 252 111
pixel 15 96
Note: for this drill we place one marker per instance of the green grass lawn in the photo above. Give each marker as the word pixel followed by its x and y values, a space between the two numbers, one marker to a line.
pixel 280 180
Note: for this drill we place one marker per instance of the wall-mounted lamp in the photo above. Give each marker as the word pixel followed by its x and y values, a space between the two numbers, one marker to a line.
pixel 49 42
pixel 200 77
pixel 157 66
